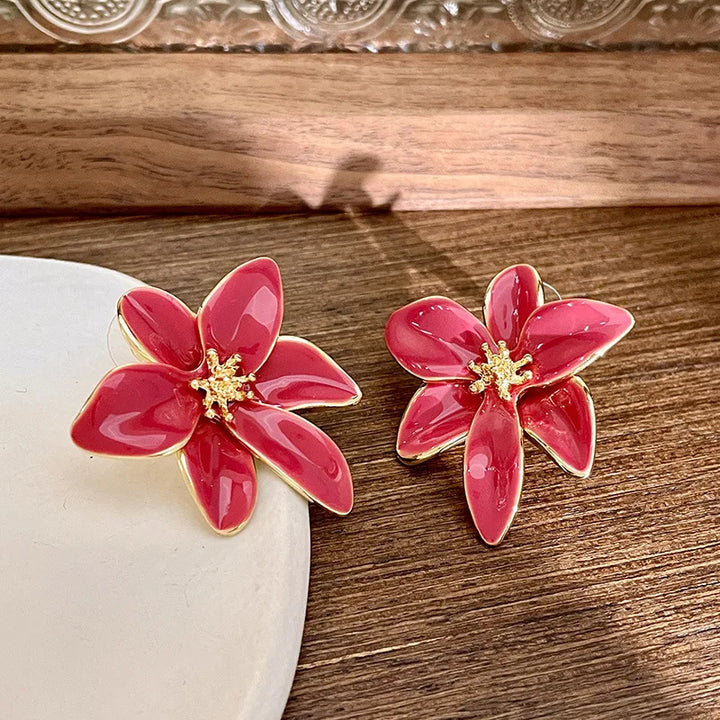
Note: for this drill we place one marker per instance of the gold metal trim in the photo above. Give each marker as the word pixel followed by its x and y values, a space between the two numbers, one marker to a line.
pixel 222 385
pixel 499 369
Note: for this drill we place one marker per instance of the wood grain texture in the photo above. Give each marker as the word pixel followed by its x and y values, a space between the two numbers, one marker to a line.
pixel 603 603
pixel 102 131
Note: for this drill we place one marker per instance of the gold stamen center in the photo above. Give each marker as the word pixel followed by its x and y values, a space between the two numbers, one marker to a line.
pixel 223 385
pixel 499 369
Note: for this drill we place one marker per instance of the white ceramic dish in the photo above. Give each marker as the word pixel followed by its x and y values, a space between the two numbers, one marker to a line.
pixel 116 600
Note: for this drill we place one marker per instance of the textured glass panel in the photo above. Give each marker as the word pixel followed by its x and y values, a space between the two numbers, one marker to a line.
pixel 375 25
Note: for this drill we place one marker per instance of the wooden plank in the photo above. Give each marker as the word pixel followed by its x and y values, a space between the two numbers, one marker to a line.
pixel 603 603
pixel 102 131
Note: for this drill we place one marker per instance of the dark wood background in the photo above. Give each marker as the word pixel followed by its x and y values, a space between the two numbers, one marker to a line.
pixel 604 600
pixel 437 131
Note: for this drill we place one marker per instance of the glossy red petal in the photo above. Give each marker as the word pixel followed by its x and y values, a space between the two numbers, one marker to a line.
pixel 510 299
pixel 243 313
pixel 300 452
pixel 494 467
pixel 561 418
pixel 435 338
pixel 139 410
pixel 299 374
pixel 161 328
pixel 438 416
pixel 221 476
pixel 565 336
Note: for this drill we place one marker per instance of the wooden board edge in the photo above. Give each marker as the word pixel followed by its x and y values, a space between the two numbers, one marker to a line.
pixel 116 133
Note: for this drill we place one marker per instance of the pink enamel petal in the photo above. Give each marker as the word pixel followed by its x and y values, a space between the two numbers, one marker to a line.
pixel 494 467
pixel 300 452
pixel 139 410
pixel 565 336
pixel 561 418
pixel 510 298
pixel 161 328
pixel 298 375
pixel 438 416
pixel 221 475
pixel 435 338
pixel 243 313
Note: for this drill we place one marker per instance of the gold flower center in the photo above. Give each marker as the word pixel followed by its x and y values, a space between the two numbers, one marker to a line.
pixel 499 369
pixel 223 385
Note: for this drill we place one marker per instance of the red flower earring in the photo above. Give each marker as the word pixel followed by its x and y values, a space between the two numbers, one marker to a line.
pixel 486 383
pixel 217 389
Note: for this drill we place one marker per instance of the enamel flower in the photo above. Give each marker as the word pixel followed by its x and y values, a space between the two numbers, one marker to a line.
pixel 487 382
pixel 218 389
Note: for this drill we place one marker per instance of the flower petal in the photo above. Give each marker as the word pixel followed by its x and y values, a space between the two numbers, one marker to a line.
pixel 494 467
pixel 565 336
pixel 299 374
pixel 437 417
pixel 435 338
pixel 161 328
pixel 301 453
pixel 139 410
pixel 561 418
pixel 221 476
pixel 510 298
pixel 243 313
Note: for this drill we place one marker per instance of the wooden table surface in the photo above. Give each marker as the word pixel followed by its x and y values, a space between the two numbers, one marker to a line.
pixel 427 132
pixel 604 599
